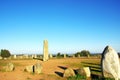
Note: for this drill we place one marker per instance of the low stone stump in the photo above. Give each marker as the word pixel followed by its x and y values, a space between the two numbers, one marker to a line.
pixel 37 68
pixel 9 67
pixel 68 72
pixel 85 71
pixel 29 69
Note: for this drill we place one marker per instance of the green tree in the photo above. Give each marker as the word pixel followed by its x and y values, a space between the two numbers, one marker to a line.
pixel 78 53
pixel 83 53
pixel 58 54
pixel 5 53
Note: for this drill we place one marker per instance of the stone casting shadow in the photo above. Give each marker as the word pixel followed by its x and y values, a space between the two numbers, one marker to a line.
pixel 94 67
pixel 38 59
pixel 59 73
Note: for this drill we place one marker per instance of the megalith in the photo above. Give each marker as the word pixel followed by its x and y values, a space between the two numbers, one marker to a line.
pixel 37 68
pixel 64 55
pixel 45 50
pixel 9 67
pixel 68 72
pixel 85 71
pixel 110 63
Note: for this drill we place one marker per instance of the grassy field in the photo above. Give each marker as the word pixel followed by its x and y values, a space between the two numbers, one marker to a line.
pixel 53 66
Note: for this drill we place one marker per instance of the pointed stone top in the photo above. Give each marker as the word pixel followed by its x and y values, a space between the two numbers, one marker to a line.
pixel 110 63
pixel 108 49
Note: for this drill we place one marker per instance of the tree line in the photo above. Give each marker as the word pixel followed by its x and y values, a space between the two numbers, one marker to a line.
pixel 83 53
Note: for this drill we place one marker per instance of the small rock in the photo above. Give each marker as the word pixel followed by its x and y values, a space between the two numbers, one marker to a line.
pixel 69 72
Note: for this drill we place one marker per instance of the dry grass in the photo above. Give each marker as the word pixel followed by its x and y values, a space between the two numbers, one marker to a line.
pixel 49 68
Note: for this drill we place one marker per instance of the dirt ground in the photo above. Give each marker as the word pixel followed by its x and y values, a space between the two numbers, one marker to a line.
pixel 52 69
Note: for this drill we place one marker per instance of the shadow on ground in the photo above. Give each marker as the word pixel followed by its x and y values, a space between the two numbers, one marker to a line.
pixel 38 59
pixel 60 73
pixel 95 70
pixel 62 67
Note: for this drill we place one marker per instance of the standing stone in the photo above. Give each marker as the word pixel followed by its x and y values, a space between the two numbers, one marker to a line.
pixel 110 63
pixel 14 56
pixel 45 50
pixel 38 68
pixel 51 56
pixel 35 56
pixel 64 55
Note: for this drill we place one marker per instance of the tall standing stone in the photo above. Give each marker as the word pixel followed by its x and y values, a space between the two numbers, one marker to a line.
pixel 15 56
pixel 45 50
pixel 35 56
pixel 51 56
pixel 110 63
pixel 64 55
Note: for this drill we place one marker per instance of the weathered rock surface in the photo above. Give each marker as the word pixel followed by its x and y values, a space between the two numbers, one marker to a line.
pixel 29 69
pixel 110 63
pixel 9 67
pixel 38 68
pixel 85 71
pixel 69 72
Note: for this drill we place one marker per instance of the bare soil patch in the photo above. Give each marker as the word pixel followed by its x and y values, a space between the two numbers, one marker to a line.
pixel 52 69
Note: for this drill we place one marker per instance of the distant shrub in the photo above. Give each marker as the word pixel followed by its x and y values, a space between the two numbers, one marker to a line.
pixel 5 53
pixel 59 55
pixel 83 53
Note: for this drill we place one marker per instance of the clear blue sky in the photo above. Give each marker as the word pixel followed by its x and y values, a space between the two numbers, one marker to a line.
pixel 68 25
